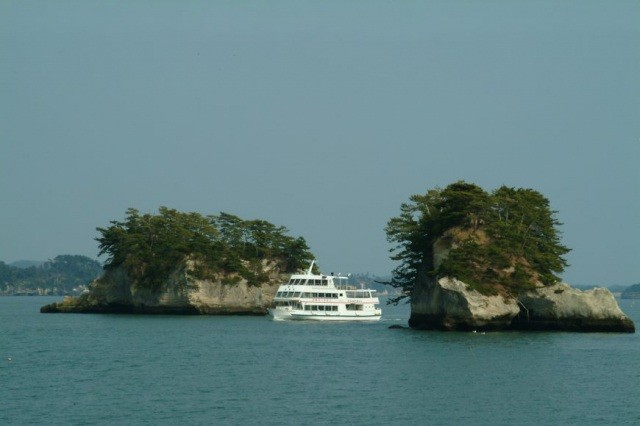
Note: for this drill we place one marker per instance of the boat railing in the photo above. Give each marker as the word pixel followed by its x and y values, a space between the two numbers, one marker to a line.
pixel 346 287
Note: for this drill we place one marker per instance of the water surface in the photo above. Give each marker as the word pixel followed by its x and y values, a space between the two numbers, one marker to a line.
pixel 128 369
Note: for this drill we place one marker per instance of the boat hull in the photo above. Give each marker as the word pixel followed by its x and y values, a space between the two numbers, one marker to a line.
pixel 293 315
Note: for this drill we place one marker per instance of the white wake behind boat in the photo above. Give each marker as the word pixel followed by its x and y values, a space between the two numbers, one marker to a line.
pixel 324 298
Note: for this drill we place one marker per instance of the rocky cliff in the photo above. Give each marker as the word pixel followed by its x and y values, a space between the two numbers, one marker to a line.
pixel 449 304
pixel 180 293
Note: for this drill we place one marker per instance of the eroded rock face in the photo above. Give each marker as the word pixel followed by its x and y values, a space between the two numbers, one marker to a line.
pixel 449 304
pixel 179 294
pixel 561 307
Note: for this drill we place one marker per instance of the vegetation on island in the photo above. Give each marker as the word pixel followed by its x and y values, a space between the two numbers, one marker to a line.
pixel 506 240
pixel 151 246
pixel 64 275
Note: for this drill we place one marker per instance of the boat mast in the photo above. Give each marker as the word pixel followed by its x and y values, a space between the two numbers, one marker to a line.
pixel 311 267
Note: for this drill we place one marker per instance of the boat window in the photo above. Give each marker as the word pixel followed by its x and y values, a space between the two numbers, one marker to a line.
pixel 296 294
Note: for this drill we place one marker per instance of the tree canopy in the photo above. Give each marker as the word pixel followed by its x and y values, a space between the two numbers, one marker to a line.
pixel 151 246
pixel 505 238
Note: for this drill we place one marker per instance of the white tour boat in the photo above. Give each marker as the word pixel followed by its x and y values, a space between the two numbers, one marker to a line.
pixel 324 298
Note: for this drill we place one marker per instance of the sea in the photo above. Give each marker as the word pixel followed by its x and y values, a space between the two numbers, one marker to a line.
pixel 99 369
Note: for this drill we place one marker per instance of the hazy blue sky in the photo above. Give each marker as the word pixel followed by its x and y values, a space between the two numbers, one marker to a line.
pixel 322 116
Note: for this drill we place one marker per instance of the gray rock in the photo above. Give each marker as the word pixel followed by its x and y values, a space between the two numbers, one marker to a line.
pixel 449 304
pixel 561 307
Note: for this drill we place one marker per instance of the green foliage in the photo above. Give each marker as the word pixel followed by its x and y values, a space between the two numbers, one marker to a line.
pixel 506 238
pixel 150 246
pixel 413 234
pixel 64 275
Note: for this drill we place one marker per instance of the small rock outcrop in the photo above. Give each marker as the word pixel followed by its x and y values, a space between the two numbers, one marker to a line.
pixel 449 304
pixel 561 307
pixel 180 293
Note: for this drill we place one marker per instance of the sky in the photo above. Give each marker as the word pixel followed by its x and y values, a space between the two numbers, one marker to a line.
pixel 320 116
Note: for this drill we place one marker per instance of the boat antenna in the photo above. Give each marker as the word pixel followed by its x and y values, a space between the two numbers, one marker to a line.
pixel 311 267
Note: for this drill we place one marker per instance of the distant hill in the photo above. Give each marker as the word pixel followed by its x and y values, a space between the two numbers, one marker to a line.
pixel 64 275
pixel 24 264
pixel 632 292
pixel 372 281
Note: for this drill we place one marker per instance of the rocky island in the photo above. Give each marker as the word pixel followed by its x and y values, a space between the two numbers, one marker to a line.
pixel 472 260
pixel 185 263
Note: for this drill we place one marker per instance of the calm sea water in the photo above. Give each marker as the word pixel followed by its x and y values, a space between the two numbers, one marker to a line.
pixel 125 369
